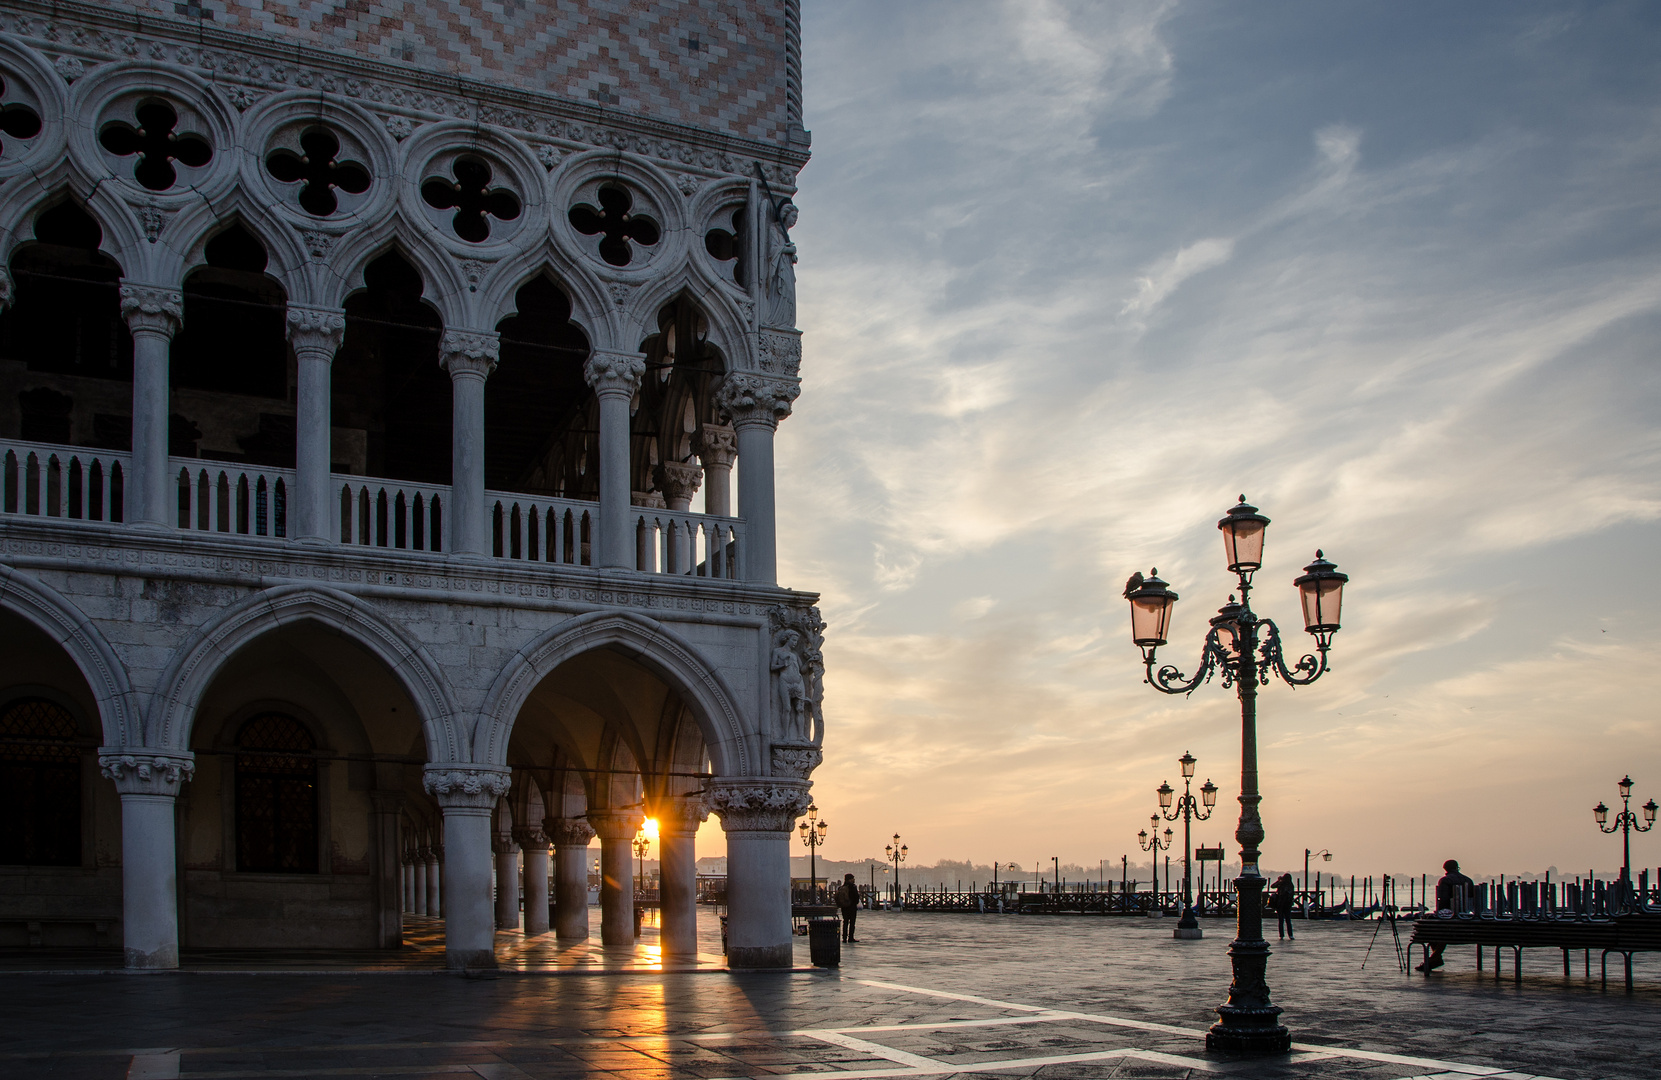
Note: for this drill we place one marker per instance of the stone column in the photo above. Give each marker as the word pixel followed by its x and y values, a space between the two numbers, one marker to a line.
pixel 616 829
pixel 756 404
pixel 467 795
pixel 645 557
pixel 615 377
pixel 435 899
pixel 677 824
pixel 534 843
pixel 386 810
pixel 153 315
pixel 148 783
pixel 469 356
pixel 717 449
pixel 419 872
pixel 507 882
pixel 315 334
pixel 571 837
pixel 409 880
pixel 758 815
pixel 679 480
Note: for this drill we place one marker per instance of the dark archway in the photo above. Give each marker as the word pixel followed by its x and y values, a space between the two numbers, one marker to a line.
pixel 541 416
pixel 40 784
pixel 676 396
pixel 66 358
pixel 391 411
pixel 230 366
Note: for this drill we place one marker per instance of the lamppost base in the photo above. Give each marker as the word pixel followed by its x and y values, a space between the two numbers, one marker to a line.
pixel 1187 933
pixel 1248 1041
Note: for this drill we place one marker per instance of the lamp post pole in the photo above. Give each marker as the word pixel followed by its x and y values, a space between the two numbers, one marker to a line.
pixel 1627 822
pixel 813 835
pixel 1245 649
pixel 896 855
pixel 1155 845
pixel 1188 927
pixel 1324 854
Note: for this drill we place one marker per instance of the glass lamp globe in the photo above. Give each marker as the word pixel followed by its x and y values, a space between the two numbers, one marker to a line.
pixel 1243 528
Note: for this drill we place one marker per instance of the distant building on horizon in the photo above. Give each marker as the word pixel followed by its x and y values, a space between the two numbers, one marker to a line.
pixel 372 383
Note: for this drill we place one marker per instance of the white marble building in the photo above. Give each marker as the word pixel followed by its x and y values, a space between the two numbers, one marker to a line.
pixel 373 393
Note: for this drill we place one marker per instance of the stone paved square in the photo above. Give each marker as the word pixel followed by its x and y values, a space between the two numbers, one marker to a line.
pixel 918 995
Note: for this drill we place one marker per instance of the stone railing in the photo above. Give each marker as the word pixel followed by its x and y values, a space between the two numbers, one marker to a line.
pixel 681 542
pixel 71 482
pixel 216 496
pixel 372 512
pixel 539 529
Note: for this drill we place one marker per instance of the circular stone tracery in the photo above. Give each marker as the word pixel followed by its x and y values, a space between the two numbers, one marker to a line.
pixel 17 120
pixel 472 198
pixel 156 144
pixel 317 165
pixel 616 226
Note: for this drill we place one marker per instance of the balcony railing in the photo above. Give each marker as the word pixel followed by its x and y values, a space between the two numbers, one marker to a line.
pixel 75 483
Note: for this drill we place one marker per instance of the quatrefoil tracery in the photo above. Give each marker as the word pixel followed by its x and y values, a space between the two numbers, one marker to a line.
pixel 316 164
pixel 156 145
pixel 616 224
pixel 472 198
pixel 17 120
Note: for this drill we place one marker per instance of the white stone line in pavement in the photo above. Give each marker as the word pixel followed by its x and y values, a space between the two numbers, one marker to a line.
pixel 154 1065
pixel 1045 1017
pixel 1455 1068
pixel 902 1057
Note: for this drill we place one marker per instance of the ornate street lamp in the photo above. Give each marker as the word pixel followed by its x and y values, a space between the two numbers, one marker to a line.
pixel 1189 811
pixel 896 855
pixel 813 836
pixel 1627 823
pixel 1156 845
pixel 1245 649
pixel 642 844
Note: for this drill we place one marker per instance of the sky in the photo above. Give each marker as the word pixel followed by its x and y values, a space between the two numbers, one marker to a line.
pixel 1074 276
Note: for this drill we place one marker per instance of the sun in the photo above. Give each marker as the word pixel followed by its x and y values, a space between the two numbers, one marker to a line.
pixel 650 828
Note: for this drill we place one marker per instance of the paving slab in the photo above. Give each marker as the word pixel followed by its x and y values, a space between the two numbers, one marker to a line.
pixel 920 995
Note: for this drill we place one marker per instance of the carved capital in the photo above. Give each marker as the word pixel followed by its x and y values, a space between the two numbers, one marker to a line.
pixel 147 773
pixel 530 839
pixel 680 815
pixel 469 352
pixel 795 761
pixel 717 446
pixel 615 372
pixel 502 844
pixel 756 805
pixel 651 500
pixel 616 824
pixel 678 480
pixel 151 309
pixel 471 787
pixel 756 399
pixel 316 330
pixel 568 831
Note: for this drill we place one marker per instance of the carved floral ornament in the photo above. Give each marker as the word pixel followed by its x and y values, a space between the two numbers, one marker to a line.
pixel 569 832
pixel 756 399
pixel 466 787
pixel 615 373
pixel 317 330
pixel 758 806
pixel 147 773
pixel 148 308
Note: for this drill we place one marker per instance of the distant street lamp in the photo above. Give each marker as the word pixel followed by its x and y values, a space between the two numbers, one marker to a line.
pixel 896 855
pixel 1324 854
pixel 1155 845
pixel 642 844
pixel 1189 811
pixel 813 836
pixel 1627 822
pixel 1248 1023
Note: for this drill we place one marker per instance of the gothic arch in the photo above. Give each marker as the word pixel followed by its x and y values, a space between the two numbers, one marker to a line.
pixel 195 664
pixel 647 641
pixel 118 705
pixel 591 306
pixel 443 287
pixel 729 326
pixel 193 228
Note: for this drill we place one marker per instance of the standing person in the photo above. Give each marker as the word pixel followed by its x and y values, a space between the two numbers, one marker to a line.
pixel 1453 892
pixel 847 899
pixel 1280 900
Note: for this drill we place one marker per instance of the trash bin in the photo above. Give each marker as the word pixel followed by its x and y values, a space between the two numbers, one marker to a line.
pixel 824 941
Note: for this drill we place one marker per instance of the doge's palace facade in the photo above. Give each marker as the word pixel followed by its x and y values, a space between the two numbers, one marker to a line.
pixel 387 404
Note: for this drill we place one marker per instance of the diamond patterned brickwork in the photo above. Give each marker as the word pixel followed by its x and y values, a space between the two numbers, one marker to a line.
pixel 718 64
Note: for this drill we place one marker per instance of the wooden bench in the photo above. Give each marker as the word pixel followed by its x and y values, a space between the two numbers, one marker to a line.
pixel 1624 934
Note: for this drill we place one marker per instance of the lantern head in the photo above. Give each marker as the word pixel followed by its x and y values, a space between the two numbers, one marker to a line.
pixel 1187 761
pixel 1208 794
pixel 1321 587
pixel 1151 601
pixel 1243 529
pixel 1165 792
pixel 1601 812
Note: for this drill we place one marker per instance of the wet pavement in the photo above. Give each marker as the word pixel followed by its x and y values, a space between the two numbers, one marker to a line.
pixel 926 995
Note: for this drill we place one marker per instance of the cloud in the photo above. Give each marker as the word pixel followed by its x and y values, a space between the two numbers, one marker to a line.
pixel 1163 278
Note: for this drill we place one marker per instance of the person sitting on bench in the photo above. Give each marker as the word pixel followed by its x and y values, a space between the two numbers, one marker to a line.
pixel 1452 894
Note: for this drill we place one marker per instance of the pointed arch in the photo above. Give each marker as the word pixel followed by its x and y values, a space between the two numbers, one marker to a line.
pixel 592 308
pixel 444 289
pixel 199 660
pixel 190 232
pixel 729 327
pixel 119 712
pixel 644 640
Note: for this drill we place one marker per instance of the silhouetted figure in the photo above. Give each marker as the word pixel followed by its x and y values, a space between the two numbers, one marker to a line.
pixel 847 899
pixel 1453 892
pixel 1280 900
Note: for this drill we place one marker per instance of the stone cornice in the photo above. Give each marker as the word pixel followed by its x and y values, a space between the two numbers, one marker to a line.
pixel 249 66
pixel 261 562
pixel 145 772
